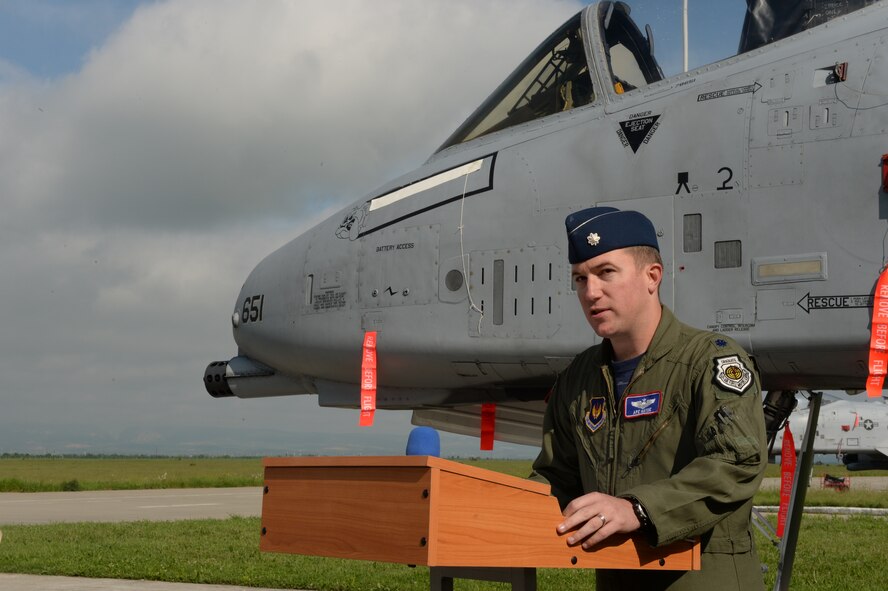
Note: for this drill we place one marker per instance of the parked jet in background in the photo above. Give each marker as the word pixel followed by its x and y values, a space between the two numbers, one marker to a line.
pixel 762 173
pixel 855 432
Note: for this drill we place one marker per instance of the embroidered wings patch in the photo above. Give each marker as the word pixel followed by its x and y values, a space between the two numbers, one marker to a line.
pixel 642 405
pixel 732 374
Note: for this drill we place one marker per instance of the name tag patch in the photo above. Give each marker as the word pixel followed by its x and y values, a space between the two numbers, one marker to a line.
pixel 642 405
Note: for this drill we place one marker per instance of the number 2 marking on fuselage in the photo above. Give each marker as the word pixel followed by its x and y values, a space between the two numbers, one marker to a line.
pixel 725 186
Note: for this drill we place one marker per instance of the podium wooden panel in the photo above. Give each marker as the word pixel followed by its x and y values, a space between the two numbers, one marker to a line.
pixel 434 512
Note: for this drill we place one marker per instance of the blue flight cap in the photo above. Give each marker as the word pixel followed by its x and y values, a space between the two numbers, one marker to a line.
pixel 598 230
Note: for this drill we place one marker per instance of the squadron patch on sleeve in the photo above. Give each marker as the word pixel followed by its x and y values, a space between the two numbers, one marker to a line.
pixel 732 374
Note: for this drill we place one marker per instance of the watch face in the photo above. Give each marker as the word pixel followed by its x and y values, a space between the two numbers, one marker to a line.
pixel 640 513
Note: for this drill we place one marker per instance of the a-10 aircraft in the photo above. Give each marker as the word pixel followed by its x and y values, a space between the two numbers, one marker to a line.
pixel 854 432
pixel 763 174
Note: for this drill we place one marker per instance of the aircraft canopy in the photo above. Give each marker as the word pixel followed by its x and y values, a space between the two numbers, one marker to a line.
pixel 771 20
pixel 557 76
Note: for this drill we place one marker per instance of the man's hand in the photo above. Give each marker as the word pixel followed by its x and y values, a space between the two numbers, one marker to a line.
pixel 595 516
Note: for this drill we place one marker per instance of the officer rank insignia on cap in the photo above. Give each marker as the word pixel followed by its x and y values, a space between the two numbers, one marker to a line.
pixel 732 374
pixel 595 231
pixel 596 413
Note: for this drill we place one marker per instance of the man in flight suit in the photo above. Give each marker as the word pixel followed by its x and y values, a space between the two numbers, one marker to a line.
pixel 660 427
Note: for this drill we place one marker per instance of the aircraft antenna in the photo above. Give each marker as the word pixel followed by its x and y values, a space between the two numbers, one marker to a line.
pixel 462 255
pixel 684 28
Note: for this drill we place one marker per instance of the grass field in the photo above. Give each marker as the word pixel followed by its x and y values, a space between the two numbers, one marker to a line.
pixel 44 474
pixel 833 553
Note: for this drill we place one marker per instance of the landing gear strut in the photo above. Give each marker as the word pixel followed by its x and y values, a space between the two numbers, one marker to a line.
pixel 778 405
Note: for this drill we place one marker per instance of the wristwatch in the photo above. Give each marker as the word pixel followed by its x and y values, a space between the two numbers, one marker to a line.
pixel 640 514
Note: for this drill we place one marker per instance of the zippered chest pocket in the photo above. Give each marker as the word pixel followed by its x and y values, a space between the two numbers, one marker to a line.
pixel 653 439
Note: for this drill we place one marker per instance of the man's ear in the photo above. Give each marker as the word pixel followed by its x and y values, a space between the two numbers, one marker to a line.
pixel 654 273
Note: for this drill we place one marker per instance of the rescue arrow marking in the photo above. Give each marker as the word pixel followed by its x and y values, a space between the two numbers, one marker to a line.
pixel 840 302
pixel 708 96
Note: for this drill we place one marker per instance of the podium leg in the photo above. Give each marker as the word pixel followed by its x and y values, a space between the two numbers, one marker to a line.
pixel 521 579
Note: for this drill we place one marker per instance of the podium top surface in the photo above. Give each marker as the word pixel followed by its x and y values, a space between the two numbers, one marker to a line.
pixel 408 462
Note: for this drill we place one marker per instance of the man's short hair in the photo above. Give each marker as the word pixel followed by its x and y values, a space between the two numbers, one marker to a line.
pixel 645 255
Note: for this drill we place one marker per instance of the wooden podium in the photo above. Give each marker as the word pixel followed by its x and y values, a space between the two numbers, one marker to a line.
pixel 423 510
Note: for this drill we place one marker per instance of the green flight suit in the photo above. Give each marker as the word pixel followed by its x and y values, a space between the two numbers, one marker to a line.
pixel 687 440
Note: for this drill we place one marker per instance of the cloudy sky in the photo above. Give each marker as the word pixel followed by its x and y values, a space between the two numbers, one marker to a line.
pixel 152 152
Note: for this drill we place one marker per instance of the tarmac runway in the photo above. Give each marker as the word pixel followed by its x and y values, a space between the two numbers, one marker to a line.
pixel 129 505
pixel 42 583
pixel 854 483
pixel 206 503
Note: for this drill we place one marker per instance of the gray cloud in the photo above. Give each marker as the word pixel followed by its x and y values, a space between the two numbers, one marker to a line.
pixel 139 191
pixel 192 116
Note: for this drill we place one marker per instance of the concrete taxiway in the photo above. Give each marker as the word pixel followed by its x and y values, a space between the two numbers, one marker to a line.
pixel 854 483
pixel 129 505
pixel 174 504
pixel 42 583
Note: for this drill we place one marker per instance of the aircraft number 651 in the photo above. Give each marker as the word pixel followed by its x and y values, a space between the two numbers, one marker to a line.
pixel 252 310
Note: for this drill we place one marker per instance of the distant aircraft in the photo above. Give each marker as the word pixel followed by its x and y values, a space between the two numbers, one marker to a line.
pixel 763 174
pixel 855 432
